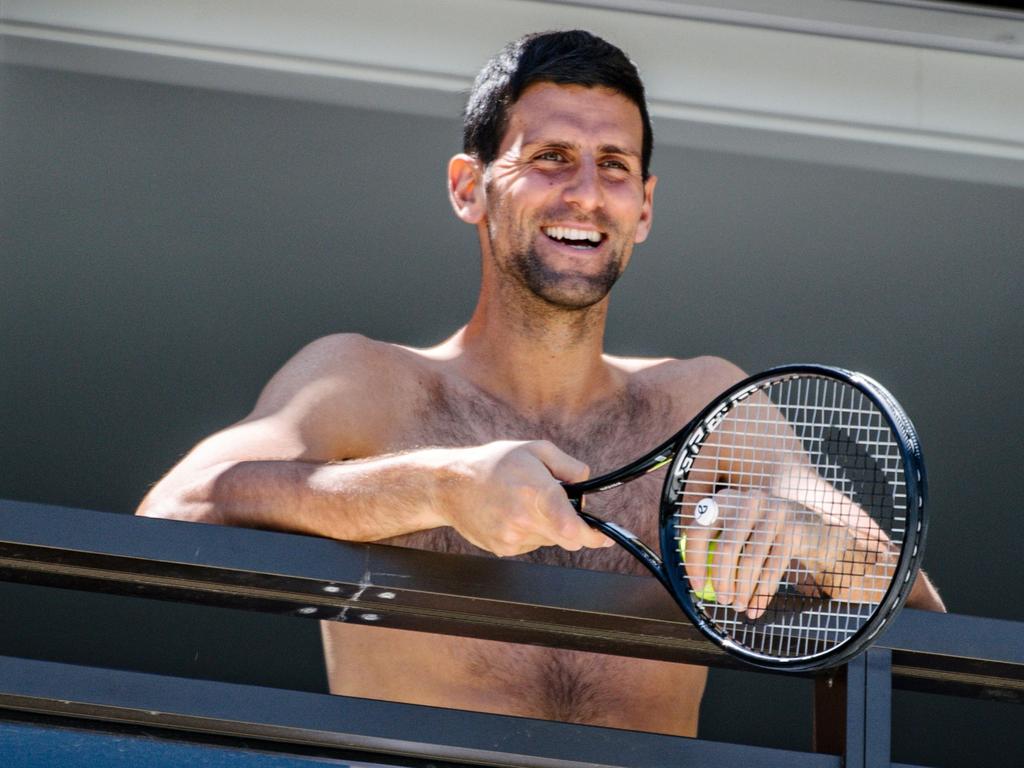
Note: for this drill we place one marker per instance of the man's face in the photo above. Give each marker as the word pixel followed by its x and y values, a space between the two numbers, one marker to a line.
pixel 566 200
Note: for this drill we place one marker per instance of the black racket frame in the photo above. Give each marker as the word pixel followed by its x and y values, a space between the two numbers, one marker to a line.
pixel 668 568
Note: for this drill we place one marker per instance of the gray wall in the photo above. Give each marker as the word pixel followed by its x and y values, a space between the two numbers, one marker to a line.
pixel 163 250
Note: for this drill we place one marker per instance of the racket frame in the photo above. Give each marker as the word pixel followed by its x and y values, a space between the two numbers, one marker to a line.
pixel 685 444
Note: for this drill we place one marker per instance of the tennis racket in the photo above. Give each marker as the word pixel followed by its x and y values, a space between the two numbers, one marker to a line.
pixel 792 516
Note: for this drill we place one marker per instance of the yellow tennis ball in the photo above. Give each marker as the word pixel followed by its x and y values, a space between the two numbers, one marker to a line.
pixel 708 593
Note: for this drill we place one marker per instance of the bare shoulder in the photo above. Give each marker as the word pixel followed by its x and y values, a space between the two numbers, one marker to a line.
pixel 341 393
pixel 346 360
pixel 688 383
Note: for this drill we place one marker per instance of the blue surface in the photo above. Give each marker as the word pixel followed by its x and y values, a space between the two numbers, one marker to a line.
pixel 27 745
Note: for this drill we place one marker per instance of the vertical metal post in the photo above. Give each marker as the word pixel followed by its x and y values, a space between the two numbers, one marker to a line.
pixel 869 710
pixel 856 708
pixel 878 708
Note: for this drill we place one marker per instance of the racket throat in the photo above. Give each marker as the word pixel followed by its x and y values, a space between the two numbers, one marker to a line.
pixel 631 543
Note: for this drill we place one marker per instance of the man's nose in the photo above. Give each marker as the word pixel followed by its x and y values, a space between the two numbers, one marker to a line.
pixel 584 188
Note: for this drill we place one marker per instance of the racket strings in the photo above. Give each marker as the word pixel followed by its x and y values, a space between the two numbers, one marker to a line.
pixel 816 456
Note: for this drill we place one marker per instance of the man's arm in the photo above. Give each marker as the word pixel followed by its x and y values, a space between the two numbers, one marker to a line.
pixel 291 465
pixel 924 595
pixel 863 535
pixel 841 551
pixel 777 507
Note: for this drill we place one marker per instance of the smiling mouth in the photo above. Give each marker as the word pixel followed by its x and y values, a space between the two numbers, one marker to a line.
pixel 584 239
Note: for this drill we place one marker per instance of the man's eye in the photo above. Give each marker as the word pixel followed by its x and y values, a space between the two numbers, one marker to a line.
pixel 615 165
pixel 552 156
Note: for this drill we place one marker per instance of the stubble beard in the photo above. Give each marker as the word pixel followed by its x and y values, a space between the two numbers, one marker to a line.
pixel 559 289
pixel 518 258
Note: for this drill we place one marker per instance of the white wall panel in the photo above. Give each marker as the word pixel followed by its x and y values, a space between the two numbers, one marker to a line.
pixel 901 86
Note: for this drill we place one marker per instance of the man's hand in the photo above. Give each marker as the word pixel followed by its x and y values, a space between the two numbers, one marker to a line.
pixel 506 497
pixel 752 553
pixel 759 535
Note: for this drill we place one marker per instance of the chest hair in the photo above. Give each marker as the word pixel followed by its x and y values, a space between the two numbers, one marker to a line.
pixel 611 434
pixel 562 685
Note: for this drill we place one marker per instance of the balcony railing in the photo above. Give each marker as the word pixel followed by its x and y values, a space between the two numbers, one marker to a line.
pixel 45 702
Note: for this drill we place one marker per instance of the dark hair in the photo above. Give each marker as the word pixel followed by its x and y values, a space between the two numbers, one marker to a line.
pixel 565 58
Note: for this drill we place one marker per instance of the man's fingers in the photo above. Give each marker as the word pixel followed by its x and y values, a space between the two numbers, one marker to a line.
pixel 591 538
pixel 767 535
pixel 696 556
pixel 561 465
pixel 569 530
pixel 514 502
pixel 588 536
pixel 530 477
pixel 749 570
pixel 775 566
pixel 600 539
pixel 572 531
pixel 560 522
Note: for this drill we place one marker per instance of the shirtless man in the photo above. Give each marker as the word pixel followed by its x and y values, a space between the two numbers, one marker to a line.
pixel 462 447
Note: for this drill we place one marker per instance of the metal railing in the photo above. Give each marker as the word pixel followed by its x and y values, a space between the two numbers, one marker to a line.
pixel 448 594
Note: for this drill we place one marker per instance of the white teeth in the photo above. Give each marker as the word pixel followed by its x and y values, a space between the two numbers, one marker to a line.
pixel 568 233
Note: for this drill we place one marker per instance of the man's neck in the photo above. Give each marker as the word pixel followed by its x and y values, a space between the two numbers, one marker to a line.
pixel 546 364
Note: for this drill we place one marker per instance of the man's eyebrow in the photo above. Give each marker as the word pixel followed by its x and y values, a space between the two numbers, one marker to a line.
pixel 604 149
pixel 612 149
pixel 551 144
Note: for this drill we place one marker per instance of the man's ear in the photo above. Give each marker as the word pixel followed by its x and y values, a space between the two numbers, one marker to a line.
pixel 647 212
pixel 466 188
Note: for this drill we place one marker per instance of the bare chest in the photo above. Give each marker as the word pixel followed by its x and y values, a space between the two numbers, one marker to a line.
pixel 615 432
pixel 525 680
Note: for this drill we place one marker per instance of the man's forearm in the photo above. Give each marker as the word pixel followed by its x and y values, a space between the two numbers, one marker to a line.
pixel 923 595
pixel 363 500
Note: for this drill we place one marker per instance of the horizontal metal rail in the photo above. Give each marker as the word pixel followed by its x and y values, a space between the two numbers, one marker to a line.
pixel 183 707
pixel 447 594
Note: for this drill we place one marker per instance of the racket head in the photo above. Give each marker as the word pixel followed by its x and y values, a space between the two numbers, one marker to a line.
pixel 856 439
